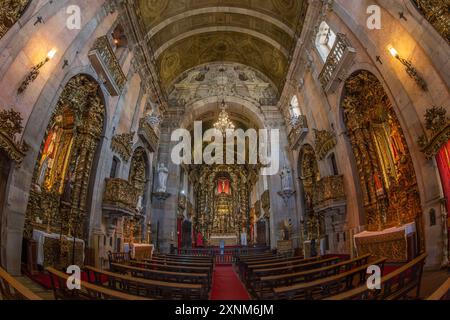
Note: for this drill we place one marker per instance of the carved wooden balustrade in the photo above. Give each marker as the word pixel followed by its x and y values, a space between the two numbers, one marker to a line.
pixel 329 192
pixel 148 134
pixel 120 198
pixel 107 66
pixel 437 13
pixel 299 130
pixel 339 59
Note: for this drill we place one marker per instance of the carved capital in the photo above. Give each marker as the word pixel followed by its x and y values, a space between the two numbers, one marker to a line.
pixel 325 141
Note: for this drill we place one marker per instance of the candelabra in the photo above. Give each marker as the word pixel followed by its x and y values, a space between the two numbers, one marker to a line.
pixel 410 69
pixel 34 73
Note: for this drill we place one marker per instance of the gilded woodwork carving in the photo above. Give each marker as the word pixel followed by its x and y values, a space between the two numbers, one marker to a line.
pixel 120 196
pixel 437 13
pixel 329 189
pixel 123 145
pixel 58 253
pixel 106 64
pixel 221 212
pixel 10 13
pixel 386 172
pixel 437 125
pixel 10 126
pixel 265 203
pixel 148 134
pixel 61 180
pixel 392 246
pixel 299 130
pixel 325 141
pixel 138 170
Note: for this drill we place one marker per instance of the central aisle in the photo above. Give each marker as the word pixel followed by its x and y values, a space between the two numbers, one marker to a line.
pixel 227 285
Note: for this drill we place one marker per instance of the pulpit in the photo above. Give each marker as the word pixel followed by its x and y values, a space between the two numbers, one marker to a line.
pixel 397 244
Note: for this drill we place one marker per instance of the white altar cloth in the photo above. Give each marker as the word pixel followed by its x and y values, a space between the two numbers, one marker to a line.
pixel 39 236
pixel 408 228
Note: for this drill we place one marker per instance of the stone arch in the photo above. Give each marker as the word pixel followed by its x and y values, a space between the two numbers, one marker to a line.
pixel 63 176
pixel 384 165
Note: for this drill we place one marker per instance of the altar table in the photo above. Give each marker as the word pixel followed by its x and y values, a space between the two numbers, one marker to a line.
pixel 397 244
pixel 228 239
pixel 139 251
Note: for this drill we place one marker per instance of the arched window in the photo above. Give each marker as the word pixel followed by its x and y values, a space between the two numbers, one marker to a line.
pixel 325 40
pixel 115 168
pixel 295 109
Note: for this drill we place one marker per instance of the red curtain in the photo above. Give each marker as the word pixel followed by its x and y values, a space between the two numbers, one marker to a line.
pixel 443 162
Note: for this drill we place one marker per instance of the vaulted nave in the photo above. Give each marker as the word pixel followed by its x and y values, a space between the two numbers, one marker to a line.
pixel 224 150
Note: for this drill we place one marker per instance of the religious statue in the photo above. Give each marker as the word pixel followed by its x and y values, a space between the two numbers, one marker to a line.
pixel 139 205
pixel 286 179
pixel 163 172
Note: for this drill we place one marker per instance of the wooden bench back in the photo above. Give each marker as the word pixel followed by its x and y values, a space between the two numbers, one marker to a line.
pixel 147 287
pixel 325 287
pixel 88 290
pixel 396 285
pixel 443 293
pixel 12 289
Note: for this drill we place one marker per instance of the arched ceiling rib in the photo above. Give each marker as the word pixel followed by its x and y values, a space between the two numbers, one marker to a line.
pixel 185 33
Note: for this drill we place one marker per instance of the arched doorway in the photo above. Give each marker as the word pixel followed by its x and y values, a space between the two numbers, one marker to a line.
pixel 388 182
pixel 309 176
pixel 57 208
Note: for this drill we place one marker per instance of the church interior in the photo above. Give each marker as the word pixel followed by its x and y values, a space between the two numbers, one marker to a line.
pixel 340 177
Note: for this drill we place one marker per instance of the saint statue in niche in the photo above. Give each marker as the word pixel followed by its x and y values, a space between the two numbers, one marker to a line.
pixel 163 172
pixel 286 179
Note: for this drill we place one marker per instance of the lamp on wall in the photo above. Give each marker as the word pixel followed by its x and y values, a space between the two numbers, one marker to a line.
pixel 34 73
pixel 410 69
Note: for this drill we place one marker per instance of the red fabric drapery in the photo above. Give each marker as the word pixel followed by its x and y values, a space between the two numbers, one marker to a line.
pixel 443 162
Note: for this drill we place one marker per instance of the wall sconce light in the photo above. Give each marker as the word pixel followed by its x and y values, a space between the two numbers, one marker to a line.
pixel 410 69
pixel 34 73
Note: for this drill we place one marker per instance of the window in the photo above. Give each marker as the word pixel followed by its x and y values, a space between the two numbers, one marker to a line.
pixel 114 168
pixel 333 164
pixel 325 40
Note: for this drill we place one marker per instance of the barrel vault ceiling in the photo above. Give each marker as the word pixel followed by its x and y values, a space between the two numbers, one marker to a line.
pixel 183 34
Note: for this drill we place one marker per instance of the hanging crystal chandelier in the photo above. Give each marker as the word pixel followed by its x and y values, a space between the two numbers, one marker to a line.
pixel 224 123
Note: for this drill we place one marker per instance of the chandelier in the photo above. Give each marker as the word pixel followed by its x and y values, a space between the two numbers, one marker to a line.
pixel 224 123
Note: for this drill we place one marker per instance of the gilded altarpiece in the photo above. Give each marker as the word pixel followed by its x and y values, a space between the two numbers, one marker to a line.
pixel 222 200
pixel 10 12
pixel 133 226
pixel 58 197
pixel 386 173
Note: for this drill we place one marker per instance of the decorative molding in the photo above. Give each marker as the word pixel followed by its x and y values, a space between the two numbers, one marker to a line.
pixel 123 145
pixel 325 141
pixel 10 126
pixel 437 125
pixel 148 134
pixel 120 198
pixel 328 191
pixel 105 63
pixel 298 132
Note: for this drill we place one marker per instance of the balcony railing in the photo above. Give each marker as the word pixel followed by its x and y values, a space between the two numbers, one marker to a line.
pixel 437 13
pixel 107 66
pixel 329 191
pixel 299 130
pixel 148 134
pixel 339 59
pixel 120 198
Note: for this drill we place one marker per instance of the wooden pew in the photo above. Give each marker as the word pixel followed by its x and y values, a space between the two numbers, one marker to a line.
pixel 161 275
pixel 325 287
pixel 245 267
pixel 148 288
pixel 263 285
pixel 12 289
pixel 396 285
pixel 88 290
pixel 443 293
pixel 186 257
pixel 172 267
pixel 185 263
pixel 289 267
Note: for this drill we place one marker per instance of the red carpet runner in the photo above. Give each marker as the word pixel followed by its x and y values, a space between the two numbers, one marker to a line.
pixel 227 285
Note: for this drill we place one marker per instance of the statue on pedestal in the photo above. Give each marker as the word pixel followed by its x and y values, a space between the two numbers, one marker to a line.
pixel 163 173
pixel 286 179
